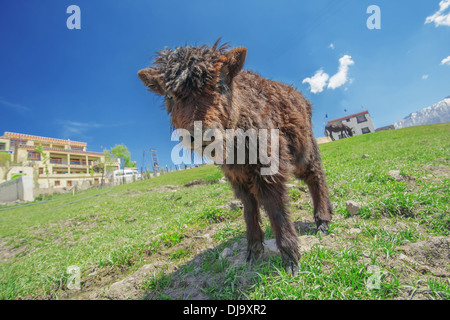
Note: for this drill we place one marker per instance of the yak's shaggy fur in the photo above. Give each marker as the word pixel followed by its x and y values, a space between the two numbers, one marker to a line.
pixel 206 84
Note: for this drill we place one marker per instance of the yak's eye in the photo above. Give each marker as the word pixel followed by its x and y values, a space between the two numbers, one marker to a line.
pixel 222 86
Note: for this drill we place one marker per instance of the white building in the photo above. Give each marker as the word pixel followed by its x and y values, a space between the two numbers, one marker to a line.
pixel 360 123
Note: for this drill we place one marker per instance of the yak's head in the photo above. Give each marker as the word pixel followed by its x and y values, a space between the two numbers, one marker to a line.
pixel 195 82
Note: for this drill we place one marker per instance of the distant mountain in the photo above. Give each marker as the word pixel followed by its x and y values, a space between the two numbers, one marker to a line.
pixel 437 113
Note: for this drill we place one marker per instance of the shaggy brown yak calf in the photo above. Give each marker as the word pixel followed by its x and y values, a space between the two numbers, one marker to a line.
pixel 206 84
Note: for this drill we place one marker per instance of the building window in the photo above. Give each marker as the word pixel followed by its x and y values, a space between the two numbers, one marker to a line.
pixel 96 181
pixel 76 148
pixel 33 155
pixel 15 142
pixel 2 146
pixel 57 183
pixel 41 170
pixel 365 130
pixel 69 183
pixel 348 120
pixel 361 118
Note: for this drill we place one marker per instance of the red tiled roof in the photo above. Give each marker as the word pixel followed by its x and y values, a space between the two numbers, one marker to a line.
pixel 38 138
pixel 348 117
pixel 62 150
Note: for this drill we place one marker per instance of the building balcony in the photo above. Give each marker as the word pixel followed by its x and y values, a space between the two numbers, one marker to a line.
pixel 73 163
pixel 69 175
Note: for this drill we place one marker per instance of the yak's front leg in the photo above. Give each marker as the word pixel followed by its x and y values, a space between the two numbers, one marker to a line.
pixel 255 235
pixel 285 235
pixel 314 176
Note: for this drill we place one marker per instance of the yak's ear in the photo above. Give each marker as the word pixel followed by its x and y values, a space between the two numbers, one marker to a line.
pixel 233 61
pixel 152 80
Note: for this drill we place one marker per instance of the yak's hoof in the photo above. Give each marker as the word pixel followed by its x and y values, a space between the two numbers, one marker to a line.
pixel 322 228
pixel 291 261
pixel 292 268
pixel 254 255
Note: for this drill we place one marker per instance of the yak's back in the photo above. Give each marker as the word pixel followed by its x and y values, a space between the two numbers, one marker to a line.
pixel 271 98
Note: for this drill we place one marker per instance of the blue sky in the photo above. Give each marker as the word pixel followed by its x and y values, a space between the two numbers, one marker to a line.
pixel 83 84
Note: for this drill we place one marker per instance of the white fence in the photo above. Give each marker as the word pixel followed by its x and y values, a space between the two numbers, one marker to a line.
pixel 17 189
pixel 124 176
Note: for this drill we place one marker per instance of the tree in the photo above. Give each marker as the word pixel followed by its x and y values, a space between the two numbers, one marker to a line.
pixel 5 162
pixel 44 158
pixel 105 166
pixel 121 151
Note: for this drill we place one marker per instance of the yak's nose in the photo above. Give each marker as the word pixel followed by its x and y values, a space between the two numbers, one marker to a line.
pixel 142 74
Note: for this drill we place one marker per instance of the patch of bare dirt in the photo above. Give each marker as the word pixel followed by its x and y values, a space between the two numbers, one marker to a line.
pixel 199 182
pixel 111 283
pixel 187 285
pixel 53 230
pixel 7 252
pixel 108 288
pixel 167 188
pixel 431 255
pixel 439 170
pixel 426 259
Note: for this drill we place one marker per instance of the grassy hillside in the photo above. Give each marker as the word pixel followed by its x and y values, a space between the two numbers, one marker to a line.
pixel 421 154
pixel 167 238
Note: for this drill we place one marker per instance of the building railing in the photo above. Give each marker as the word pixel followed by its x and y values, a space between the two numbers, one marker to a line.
pixel 58 161
pixel 73 162
pixel 72 175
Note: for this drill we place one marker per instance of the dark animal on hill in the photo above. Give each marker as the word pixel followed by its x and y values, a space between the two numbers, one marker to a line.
pixel 339 127
pixel 207 84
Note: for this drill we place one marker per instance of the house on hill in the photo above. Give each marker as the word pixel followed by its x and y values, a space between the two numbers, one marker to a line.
pixel 360 123
pixel 62 163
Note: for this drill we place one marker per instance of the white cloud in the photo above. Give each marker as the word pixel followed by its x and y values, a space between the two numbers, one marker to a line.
pixel 80 130
pixel 15 106
pixel 320 78
pixel 318 81
pixel 77 129
pixel 425 77
pixel 446 61
pixel 439 18
pixel 340 78
pixel 331 46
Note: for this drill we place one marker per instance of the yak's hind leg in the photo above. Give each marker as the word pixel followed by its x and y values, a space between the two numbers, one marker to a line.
pixel 309 169
pixel 255 235
pixel 273 198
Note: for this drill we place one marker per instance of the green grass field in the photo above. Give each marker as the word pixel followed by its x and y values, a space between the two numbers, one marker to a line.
pixel 181 231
